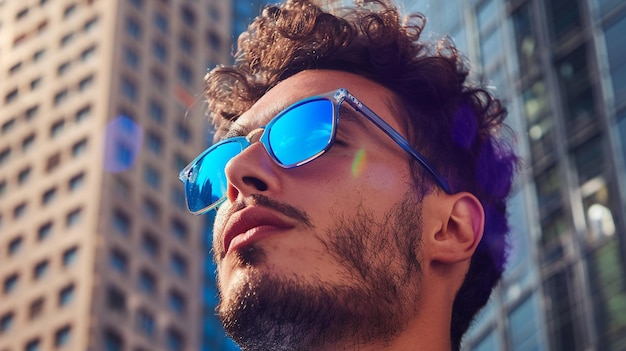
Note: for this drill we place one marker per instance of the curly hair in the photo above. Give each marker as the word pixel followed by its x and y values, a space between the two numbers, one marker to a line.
pixel 456 125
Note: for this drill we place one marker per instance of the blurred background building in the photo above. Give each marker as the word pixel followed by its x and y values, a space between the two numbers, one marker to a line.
pixel 100 107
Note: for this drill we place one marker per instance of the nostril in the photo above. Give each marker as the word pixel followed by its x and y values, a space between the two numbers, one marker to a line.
pixel 255 182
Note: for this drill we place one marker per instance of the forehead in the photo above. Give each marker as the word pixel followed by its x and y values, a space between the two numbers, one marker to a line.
pixel 315 82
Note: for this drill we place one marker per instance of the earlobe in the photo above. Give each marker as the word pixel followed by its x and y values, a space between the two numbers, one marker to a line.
pixel 458 238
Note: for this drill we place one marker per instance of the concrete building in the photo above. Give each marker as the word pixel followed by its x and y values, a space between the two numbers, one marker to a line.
pixel 100 107
pixel 561 68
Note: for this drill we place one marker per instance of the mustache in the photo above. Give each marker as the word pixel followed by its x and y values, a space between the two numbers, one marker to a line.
pixel 267 202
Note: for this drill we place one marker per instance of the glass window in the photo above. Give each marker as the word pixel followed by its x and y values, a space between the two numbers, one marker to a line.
pixel 35 83
pixel 564 18
pixel 73 217
pixel 160 21
pixel 76 181
pixel 32 345
pixel 616 52
pixel 79 147
pixel 188 16
pixel 10 283
pixel 36 308
pixel 88 53
pixel 151 210
pixel 577 90
pixel 147 281
pixel 589 159
pixel 121 222
pixel 186 44
pixel 28 142
pixel 179 229
pixel 523 327
pixel 185 74
pixel 525 38
pixel 133 28
pixel 48 196
pixel 69 10
pixel 486 14
pixel 150 244
pixel 3 187
pixel 6 321
pixel 8 126
pixel 154 142
pixel 178 264
pixel 69 256
pixel 129 89
pixel 15 245
pixel 116 299
pixel 157 78
pixel 11 96
pixel 19 210
pixel 40 269
pixel 31 112
pixel 131 57
pixel 63 68
pixel 183 133
pixel 38 55
pixel 159 50
pixel 5 154
pixel 66 295
pixel 118 260
pixel 548 185
pixel 83 113
pixel 178 197
pixel 66 39
pixel 561 318
pixel 53 162
pixel 62 336
pixel 15 68
pixel 145 322
pixel 156 111
pixel 138 4
pixel 60 97
pixel 90 25
pixel 214 40
pixel 23 175
pixel 44 231
pixel 113 341
pixel 85 83
pixel 175 340
pixel 176 301
pixel 152 177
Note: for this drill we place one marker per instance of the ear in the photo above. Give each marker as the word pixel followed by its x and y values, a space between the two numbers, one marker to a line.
pixel 461 230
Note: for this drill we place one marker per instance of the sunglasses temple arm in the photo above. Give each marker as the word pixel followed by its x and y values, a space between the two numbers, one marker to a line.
pixel 399 139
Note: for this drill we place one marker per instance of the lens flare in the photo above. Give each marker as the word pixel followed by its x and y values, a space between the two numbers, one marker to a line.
pixel 358 164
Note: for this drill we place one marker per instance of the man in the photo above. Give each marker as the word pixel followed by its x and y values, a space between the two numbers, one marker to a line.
pixel 359 183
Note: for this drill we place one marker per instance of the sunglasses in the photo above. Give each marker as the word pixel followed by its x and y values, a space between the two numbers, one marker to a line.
pixel 298 135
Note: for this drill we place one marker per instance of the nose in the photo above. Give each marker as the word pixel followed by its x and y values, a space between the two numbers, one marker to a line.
pixel 252 172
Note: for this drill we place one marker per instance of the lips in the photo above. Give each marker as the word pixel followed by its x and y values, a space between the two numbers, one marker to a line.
pixel 252 224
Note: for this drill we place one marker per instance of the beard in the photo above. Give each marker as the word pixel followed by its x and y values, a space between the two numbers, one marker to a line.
pixel 271 312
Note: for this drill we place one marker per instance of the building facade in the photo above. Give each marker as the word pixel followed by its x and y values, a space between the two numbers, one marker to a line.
pixel 100 107
pixel 561 68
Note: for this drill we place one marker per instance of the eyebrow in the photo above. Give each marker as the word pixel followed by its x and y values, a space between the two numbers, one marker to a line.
pixel 348 114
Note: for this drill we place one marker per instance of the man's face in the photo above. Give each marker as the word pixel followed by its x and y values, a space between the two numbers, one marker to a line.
pixel 329 250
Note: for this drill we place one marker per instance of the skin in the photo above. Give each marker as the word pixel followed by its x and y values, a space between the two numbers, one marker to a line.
pixel 327 193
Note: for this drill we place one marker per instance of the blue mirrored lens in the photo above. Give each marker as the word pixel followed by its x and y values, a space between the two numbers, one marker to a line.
pixel 207 184
pixel 301 132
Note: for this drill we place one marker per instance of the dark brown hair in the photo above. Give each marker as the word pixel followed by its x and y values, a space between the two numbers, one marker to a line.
pixel 455 124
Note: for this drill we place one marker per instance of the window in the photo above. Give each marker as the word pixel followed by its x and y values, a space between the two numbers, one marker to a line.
pixel 150 244
pixel 28 142
pixel 11 96
pixel 182 133
pixel 60 97
pixel 155 110
pixel 63 68
pixel 3 187
pixel 85 83
pixel 6 321
pixel 178 264
pixel 40 269
pixel 131 57
pixel 116 299
pixel 113 340
pixel 152 177
pixel 138 4
pixel 176 301
pixel 4 155
pixel 186 44
pixel 44 231
pixel 159 51
pixel 184 74
pixel 73 217
pixel 66 295
pixel 90 25
pixel 145 322
pixel 15 245
pixel 66 39
pixel 151 210
pixel 10 283
pixel 76 181
pixel 154 142
pixel 15 68
pixel 22 13
pixel 147 281
pixel 62 336
pixel 8 126
pixel 157 78
pixel 69 10
pixel 178 197
pixel 32 345
pixel 19 210
pixel 79 147
pixel 56 128
pixel 214 40
pixel 36 308
pixel 179 229
pixel 35 83
pixel 175 340
pixel 133 28
pixel 160 21
pixel 38 55
pixel 129 89
pixel 31 112
pixel 69 256
pixel 188 16
pixel 121 222
pixel 48 196
pixel 23 175
pixel 53 162
pixel 83 113
pixel 118 260
pixel 88 53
